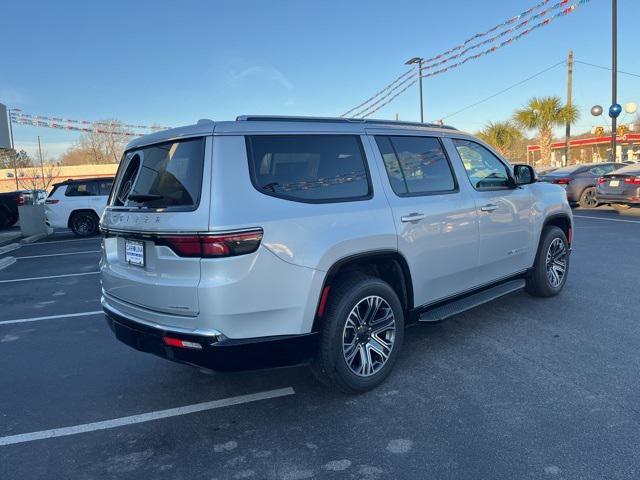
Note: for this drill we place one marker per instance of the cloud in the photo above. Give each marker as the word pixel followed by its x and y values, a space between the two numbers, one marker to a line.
pixel 270 74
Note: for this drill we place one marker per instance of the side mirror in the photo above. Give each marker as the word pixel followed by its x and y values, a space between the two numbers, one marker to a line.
pixel 524 174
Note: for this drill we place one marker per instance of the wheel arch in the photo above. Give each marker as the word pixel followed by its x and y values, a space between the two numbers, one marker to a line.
pixel 560 220
pixel 388 265
pixel 79 211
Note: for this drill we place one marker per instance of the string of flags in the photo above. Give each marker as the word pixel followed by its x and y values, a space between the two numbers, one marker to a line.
pixel 66 126
pixel 504 33
pixel 17 116
pixel 506 23
pixel 392 93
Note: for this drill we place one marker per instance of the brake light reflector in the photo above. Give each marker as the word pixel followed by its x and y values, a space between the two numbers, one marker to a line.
pixel 213 246
pixel 51 202
pixel 176 342
pixel 562 181
pixel 20 200
pixel 601 180
pixel 632 180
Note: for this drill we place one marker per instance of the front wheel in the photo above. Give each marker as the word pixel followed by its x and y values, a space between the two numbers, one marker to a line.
pixel 84 224
pixel 551 266
pixel 361 335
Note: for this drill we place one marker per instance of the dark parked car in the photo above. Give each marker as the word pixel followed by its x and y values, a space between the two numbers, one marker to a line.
pixel 620 188
pixel 580 181
pixel 9 208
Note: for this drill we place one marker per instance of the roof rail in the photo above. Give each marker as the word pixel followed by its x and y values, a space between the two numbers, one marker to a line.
pixel 366 121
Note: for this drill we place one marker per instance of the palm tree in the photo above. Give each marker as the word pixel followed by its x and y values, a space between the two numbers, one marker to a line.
pixel 543 114
pixel 503 136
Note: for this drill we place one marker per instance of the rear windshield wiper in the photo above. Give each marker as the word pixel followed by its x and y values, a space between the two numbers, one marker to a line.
pixel 144 197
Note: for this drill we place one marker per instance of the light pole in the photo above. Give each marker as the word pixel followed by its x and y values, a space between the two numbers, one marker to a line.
pixel 418 61
pixel 615 109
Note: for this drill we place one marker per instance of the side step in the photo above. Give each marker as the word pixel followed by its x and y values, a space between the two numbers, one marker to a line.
pixel 466 303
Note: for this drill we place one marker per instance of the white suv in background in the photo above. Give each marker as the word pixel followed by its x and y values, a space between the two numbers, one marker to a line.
pixel 78 205
pixel 271 240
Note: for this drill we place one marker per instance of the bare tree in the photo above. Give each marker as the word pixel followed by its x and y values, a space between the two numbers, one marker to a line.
pixel 104 145
pixel 38 175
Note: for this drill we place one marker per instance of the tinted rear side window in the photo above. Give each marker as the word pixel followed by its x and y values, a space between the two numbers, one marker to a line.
pixel 309 168
pixel 166 175
pixel 89 189
pixel 416 165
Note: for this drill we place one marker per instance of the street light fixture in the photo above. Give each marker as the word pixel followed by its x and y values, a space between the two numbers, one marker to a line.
pixel 418 61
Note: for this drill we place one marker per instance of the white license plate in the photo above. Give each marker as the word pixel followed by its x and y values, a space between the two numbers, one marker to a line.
pixel 134 252
pixel 614 183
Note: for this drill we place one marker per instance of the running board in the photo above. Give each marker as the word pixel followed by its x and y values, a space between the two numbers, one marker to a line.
pixel 466 303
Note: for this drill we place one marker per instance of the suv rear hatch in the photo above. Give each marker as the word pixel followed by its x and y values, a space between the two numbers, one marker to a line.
pixel 160 199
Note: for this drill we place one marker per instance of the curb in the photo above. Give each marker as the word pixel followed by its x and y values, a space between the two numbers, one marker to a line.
pixel 9 238
pixel 6 262
pixel 33 238
pixel 9 248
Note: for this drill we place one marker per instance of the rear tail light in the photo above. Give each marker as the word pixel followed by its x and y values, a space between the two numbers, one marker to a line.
pixel 632 180
pixel 20 200
pixel 213 246
pixel 601 180
pixel 51 202
pixel 176 342
pixel 562 181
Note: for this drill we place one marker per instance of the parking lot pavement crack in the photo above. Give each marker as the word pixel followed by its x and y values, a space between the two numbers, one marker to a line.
pixel 635 414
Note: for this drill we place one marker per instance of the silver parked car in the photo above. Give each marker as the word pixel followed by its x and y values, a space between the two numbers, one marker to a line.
pixel 620 188
pixel 269 241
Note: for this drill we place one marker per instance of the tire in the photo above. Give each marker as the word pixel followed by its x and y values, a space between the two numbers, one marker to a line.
pixel 588 198
pixel 620 207
pixel 339 339
pixel 84 224
pixel 553 245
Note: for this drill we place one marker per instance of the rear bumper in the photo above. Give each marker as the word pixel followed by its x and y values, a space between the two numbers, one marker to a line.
pixel 217 353
pixel 622 199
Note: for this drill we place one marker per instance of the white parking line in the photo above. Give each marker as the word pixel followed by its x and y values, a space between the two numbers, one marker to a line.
pixel 145 417
pixel 65 241
pixel 47 278
pixel 608 219
pixel 51 317
pixel 59 254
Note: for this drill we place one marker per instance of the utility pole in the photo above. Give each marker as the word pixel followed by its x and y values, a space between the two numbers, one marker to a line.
pixel 418 61
pixel 614 77
pixel 41 161
pixel 567 137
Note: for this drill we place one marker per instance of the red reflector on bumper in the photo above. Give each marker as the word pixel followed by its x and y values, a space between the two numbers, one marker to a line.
pixel 176 342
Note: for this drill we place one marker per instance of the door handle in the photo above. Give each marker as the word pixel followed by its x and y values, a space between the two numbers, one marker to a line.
pixel 413 217
pixel 489 207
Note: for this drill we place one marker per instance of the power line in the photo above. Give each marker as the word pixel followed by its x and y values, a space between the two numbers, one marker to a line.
pixel 510 87
pixel 607 68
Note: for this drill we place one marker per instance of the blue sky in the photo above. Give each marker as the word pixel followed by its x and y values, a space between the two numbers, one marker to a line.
pixel 174 62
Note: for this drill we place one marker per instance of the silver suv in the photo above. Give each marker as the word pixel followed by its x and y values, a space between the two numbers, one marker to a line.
pixel 269 241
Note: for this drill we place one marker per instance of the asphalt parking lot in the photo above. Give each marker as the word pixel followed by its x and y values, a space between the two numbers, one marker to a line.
pixel 521 388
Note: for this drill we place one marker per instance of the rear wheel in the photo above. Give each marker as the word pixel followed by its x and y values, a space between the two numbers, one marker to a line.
pixel 620 207
pixel 361 336
pixel 588 198
pixel 84 224
pixel 549 272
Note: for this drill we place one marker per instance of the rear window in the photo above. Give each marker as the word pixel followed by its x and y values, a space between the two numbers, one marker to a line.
pixel 166 175
pixel 309 168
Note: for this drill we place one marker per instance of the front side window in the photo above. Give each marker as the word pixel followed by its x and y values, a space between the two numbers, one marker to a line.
pixel 166 175
pixel 309 168
pixel 105 187
pixel 484 169
pixel 416 165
